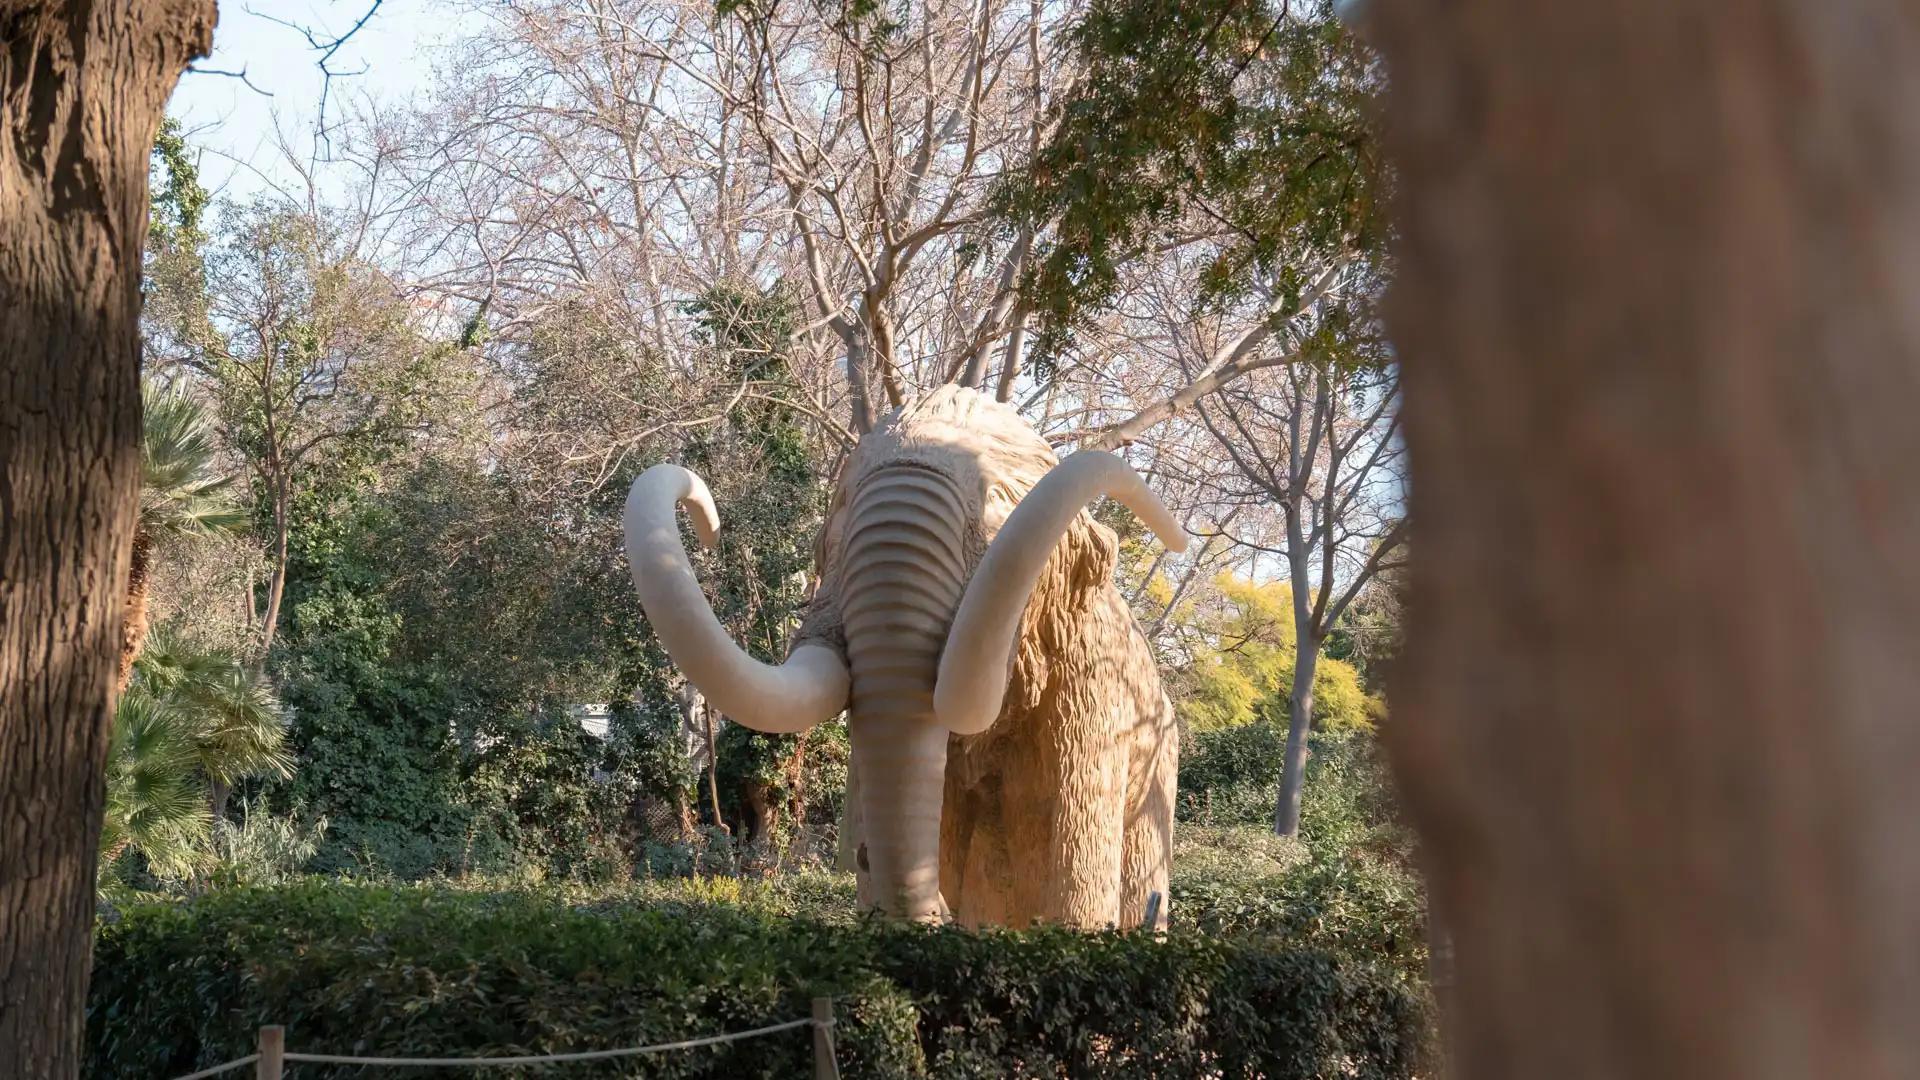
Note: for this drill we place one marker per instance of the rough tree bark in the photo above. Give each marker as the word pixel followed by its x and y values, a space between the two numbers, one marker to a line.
pixel 1658 301
pixel 82 86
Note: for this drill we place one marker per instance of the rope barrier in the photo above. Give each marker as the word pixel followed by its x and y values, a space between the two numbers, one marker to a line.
pixel 822 1022
pixel 542 1059
pixel 218 1069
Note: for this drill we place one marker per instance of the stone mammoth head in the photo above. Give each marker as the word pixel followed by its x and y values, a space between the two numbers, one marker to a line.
pixel 943 522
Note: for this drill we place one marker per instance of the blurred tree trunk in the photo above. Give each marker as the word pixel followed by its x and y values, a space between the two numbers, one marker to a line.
pixel 82 87
pixel 1658 303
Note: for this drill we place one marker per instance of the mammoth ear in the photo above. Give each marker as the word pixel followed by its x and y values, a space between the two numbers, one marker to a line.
pixel 974 666
pixel 1096 552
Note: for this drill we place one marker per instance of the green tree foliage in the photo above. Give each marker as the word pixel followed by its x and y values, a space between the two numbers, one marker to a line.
pixel 1248 118
pixel 763 478
pixel 375 733
pixel 519 607
pixel 442 593
pixel 562 797
pixel 772 502
pixel 240 732
pixel 776 786
pixel 156 809
pixel 1241 669
pixel 430 607
pixel 309 352
pixel 174 286
pixel 179 201
pixel 376 747
pixel 443 611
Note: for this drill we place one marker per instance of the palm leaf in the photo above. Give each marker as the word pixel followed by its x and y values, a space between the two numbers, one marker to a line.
pixel 190 717
pixel 180 492
pixel 236 724
pixel 156 804
pixel 242 734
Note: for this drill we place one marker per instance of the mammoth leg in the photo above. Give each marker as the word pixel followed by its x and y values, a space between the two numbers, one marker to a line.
pixel 974 868
pixel 985 876
pixel 1064 807
pixel 1153 774
pixel 958 810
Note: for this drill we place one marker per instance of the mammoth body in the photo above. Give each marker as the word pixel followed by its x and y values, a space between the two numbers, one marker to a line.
pixel 1014 755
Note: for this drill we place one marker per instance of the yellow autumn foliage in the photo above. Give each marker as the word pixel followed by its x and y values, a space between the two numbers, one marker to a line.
pixel 1243 671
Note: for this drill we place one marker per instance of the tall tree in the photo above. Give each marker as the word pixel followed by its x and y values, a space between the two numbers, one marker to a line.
pixel 1224 145
pixel 1241 655
pixel 305 346
pixel 82 87
pixel 928 179
pixel 1656 300
pixel 1321 446
pixel 846 149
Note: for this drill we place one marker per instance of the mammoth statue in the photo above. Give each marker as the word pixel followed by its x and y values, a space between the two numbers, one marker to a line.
pixel 1013 753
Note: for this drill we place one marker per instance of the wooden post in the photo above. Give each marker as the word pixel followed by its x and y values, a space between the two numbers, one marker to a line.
pixel 824 1065
pixel 273 1049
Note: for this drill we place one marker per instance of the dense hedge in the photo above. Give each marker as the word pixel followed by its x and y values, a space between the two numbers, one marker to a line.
pixel 1238 881
pixel 415 970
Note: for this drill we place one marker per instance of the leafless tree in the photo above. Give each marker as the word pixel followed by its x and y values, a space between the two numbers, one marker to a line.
pixel 1287 456
pixel 617 159
pixel 1321 446
pixel 304 345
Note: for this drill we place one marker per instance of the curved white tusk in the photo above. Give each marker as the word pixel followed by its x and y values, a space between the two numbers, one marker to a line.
pixel 809 688
pixel 974 665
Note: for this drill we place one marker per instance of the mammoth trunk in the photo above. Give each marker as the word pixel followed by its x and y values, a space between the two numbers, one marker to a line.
pixel 905 571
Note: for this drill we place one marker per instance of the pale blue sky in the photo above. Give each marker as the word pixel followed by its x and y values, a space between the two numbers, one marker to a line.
pixel 234 125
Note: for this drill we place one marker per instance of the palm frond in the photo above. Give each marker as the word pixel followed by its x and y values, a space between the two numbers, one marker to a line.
pixel 180 493
pixel 237 728
pixel 156 804
pixel 170 662
pixel 243 734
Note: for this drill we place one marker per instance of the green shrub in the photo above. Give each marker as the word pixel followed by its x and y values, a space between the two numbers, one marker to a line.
pixel 1242 880
pixel 1346 884
pixel 1230 775
pixel 264 849
pixel 417 971
pixel 1360 906
pixel 1245 854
